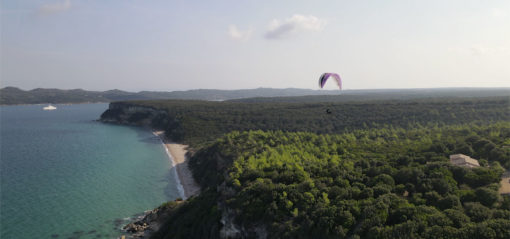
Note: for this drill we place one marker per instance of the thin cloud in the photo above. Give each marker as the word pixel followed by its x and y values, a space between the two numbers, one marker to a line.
pixel 237 34
pixel 480 50
pixel 498 13
pixel 297 23
pixel 52 8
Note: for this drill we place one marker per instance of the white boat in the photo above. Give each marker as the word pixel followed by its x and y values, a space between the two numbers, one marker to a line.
pixel 50 107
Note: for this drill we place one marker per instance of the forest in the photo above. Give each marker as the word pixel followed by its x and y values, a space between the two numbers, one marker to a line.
pixel 200 122
pixel 378 183
pixel 370 169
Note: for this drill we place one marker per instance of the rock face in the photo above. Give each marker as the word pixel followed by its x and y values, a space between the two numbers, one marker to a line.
pixel 231 229
pixel 136 227
pixel 131 114
pixel 145 226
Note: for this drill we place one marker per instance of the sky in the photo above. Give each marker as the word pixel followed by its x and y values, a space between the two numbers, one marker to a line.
pixel 238 44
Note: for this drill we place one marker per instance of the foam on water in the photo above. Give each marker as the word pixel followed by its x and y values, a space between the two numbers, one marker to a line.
pixel 180 188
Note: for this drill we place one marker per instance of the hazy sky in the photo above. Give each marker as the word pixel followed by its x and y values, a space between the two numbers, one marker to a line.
pixel 232 44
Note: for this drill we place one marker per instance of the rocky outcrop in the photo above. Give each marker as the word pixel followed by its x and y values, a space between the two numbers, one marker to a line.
pixel 137 115
pixel 149 223
pixel 137 229
pixel 230 228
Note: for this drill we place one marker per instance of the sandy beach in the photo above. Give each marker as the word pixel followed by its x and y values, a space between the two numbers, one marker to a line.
pixel 178 153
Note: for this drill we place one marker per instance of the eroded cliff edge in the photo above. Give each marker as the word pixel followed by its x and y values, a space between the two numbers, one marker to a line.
pixel 137 115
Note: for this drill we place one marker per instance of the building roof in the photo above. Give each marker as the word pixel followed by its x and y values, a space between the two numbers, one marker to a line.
pixel 461 159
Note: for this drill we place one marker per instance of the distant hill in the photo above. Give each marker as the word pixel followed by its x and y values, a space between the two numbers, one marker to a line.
pixel 392 94
pixel 13 95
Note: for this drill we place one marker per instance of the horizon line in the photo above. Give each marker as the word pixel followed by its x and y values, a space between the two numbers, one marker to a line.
pixel 183 90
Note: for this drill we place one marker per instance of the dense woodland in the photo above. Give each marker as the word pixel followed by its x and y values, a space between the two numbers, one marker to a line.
pixel 367 170
pixel 384 183
pixel 200 122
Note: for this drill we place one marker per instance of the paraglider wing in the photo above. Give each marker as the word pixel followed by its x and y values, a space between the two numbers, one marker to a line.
pixel 324 77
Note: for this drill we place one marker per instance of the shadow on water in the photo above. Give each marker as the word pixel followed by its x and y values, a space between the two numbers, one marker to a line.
pixel 145 135
pixel 81 234
pixel 150 140
pixel 171 191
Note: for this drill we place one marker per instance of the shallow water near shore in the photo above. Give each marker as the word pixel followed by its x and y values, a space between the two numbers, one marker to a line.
pixel 64 175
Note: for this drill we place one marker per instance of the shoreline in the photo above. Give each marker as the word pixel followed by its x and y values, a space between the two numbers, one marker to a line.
pixel 177 154
pixel 143 226
pixel 75 103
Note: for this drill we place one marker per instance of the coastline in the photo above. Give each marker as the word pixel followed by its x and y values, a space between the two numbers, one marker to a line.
pixel 177 153
pixel 143 226
pixel 67 103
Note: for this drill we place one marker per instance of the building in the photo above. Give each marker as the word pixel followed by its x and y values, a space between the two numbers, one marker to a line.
pixel 463 161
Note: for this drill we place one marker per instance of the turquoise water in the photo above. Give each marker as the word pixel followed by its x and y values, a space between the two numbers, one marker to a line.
pixel 64 175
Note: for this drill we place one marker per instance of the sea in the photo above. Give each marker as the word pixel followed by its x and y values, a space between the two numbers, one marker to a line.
pixel 63 174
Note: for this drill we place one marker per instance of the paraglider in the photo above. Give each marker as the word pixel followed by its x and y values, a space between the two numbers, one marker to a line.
pixel 322 81
pixel 324 77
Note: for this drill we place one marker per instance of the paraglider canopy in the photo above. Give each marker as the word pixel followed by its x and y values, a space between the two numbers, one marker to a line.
pixel 324 77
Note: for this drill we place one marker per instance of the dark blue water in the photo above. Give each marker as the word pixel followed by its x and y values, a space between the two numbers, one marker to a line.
pixel 65 175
